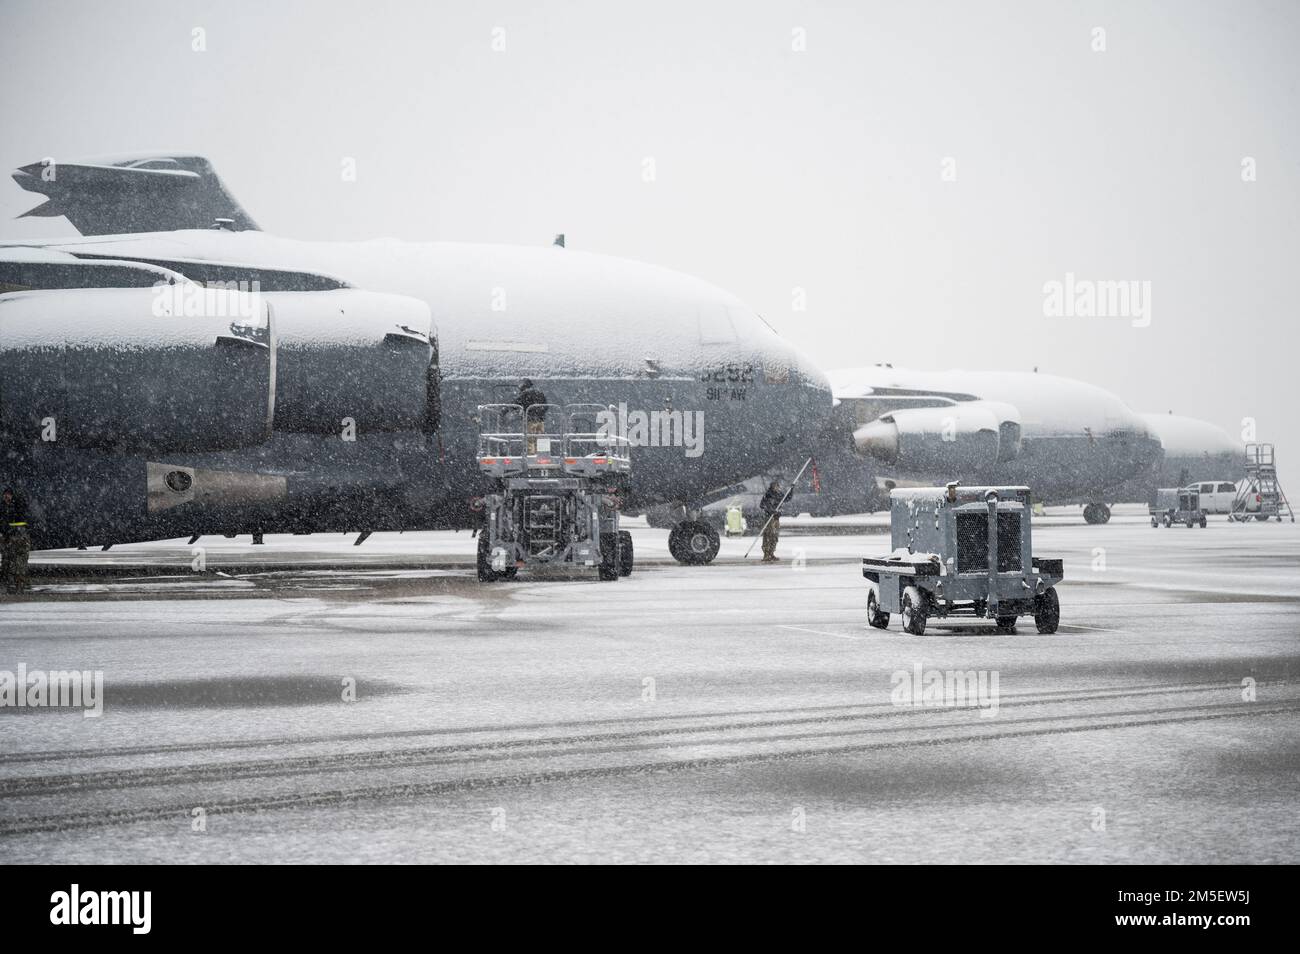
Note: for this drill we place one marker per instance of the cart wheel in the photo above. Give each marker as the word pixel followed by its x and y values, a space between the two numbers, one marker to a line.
pixel 874 616
pixel 913 611
pixel 1203 521
pixel 485 572
pixel 1006 625
pixel 609 559
pixel 625 553
pixel 1047 611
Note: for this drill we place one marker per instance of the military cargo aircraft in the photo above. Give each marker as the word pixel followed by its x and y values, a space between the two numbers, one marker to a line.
pixel 1074 443
pixel 178 371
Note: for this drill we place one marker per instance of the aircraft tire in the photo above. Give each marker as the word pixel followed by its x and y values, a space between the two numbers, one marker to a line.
pixel 1096 513
pixel 693 542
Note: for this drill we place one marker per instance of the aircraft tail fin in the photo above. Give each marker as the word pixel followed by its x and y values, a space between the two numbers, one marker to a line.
pixel 142 193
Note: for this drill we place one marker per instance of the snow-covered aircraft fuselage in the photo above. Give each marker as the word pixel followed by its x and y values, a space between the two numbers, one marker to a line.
pixel 350 400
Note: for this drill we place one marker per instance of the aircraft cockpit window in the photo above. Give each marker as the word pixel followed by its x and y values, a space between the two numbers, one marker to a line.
pixel 716 326
pixel 745 323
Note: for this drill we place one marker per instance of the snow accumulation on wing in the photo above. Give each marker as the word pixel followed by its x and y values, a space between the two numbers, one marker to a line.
pixel 28 253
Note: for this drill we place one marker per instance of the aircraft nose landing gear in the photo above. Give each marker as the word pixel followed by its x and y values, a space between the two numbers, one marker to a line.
pixel 1096 513
pixel 693 542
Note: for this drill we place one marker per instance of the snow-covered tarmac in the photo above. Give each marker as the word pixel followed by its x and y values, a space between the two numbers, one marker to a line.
pixel 736 712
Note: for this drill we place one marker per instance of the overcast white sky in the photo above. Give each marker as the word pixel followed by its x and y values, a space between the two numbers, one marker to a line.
pixel 774 168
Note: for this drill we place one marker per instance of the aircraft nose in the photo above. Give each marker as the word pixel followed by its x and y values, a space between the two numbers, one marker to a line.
pixel 814 379
pixel 794 391
pixel 818 386
pixel 1152 451
pixel 807 396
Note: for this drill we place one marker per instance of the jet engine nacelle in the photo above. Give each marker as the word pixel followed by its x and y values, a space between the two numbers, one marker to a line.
pixel 972 434
pixel 356 356
pixel 170 368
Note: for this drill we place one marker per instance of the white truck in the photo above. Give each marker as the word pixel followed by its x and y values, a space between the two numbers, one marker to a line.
pixel 1239 500
pixel 1218 496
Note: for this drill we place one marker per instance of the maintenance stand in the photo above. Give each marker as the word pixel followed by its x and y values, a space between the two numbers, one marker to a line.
pixel 557 491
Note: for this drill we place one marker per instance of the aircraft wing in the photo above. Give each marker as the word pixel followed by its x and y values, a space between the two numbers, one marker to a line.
pixel 28 267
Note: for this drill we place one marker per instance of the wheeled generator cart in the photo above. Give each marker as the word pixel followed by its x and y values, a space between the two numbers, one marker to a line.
pixel 558 477
pixel 962 552
pixel 1177 505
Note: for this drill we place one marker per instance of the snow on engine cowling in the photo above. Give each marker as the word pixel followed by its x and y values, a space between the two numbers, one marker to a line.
pixel 352 354
pixel 968 434
pixel 171 368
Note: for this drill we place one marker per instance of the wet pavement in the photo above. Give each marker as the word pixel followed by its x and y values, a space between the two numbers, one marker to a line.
pixel 308 700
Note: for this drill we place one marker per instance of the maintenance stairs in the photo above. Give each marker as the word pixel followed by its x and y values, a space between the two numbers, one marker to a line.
pixel 1261 483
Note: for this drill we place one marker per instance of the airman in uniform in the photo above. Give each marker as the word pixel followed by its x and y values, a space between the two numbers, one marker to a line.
pixel 15 545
